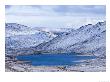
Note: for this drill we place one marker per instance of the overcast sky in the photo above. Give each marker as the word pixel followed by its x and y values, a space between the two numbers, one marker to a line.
pixel 57 16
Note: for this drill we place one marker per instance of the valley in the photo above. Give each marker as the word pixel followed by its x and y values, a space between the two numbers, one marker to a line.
pixel 88 40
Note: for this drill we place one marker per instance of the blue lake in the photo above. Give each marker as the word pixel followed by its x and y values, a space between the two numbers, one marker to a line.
pixel 54 59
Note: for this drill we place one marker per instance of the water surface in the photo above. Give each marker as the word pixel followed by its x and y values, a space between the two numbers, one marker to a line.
pixel 54 59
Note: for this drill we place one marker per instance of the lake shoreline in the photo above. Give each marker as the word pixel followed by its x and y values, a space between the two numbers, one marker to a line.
pixel 14 65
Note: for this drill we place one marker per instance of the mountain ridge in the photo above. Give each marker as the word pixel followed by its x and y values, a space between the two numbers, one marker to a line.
pixel 87 40
pixel 90 31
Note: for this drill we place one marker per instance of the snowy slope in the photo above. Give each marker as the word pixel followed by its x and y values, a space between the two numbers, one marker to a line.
pixel 86 39
pixel 20 36
pixel 12 29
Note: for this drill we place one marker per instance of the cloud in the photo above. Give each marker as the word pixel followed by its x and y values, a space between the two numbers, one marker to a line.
pixel 56 10
pixel 55 15
pixel 31 11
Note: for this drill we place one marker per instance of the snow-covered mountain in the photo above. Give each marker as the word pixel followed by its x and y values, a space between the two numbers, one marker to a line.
pixel 12 29
pixel 57 31
pixel 15 26
pixel 88 39
pixel 20 36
